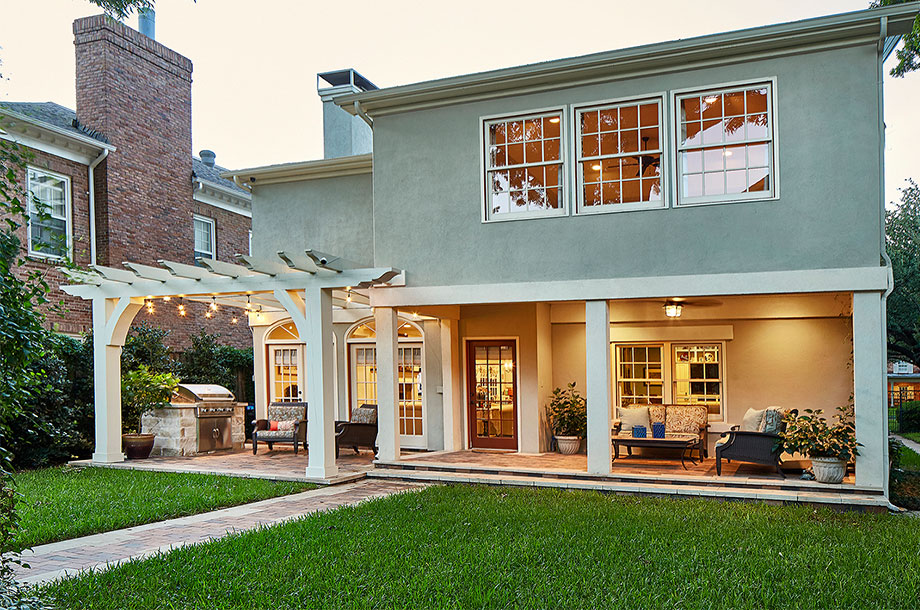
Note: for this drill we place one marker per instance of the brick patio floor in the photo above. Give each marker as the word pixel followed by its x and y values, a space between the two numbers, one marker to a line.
pixel 68 557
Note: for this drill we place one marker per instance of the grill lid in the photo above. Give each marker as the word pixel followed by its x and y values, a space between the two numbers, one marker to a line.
pixel 203 392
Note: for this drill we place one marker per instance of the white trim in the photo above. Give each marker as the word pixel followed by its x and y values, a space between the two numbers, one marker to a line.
pixel 869 279
pixel 303 170
pixel 772 118
pixel 68 214
pixel 661 98
pixel 682 333
pixel 213 224
pixel 221 197
pixel 485 199
pixel 36 134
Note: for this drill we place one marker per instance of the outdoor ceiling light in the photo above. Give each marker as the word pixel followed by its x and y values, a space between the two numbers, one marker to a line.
pixel 672 310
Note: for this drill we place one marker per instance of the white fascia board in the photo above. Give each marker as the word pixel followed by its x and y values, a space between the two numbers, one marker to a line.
pixel 781 39
pixel 45 137
pixel 861 279
pixel 221 197
pixel 303 170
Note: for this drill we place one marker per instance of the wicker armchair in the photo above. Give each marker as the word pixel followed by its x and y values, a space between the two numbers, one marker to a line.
pixel 753 447
pixel 279 412
pixel 361 431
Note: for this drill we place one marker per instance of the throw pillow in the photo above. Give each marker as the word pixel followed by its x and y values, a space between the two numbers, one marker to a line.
pixel 752 420
pixel 772 420
pixel 287 425
pixel 635 416
pixel 273 425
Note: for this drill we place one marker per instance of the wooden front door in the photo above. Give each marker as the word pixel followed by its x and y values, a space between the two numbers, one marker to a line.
pixel 492 393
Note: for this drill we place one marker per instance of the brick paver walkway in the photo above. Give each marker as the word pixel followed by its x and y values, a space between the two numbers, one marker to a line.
pixel 68 557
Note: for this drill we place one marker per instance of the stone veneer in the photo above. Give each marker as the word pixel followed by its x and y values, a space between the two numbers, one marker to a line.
pixel 176 429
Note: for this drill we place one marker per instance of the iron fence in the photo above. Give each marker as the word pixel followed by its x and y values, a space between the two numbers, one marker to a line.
pixel 897 397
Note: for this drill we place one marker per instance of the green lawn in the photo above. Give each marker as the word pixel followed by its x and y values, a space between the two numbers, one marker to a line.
pixel 910 460
pixel 464 546
pixel 914 436
pixel 61 503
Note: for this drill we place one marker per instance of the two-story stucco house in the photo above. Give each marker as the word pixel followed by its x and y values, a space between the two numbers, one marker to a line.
pixel 691 222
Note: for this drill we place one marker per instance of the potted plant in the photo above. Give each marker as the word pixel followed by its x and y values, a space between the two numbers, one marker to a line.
pixel 142 391
pixel 830 446
pixel 568 417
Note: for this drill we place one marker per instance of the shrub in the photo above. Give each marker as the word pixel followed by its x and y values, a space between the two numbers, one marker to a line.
pixel 909 419
pixel 142 390
pixel 146 345
pixel 207 361
pixel 568 412
pixel 811 434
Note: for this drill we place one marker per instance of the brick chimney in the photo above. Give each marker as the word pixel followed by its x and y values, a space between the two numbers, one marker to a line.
pixel 139 94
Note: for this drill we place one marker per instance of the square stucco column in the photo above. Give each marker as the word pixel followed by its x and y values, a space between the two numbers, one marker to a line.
pixel 597 378
pixel 450 379
pixel 869 390
pixel 387 390
pixel 319 363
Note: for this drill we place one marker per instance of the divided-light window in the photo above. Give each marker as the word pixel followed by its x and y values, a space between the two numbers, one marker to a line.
pixel 524 166
pixel 49 214
pixel 725 144
pixel 205 246
pixel 619 156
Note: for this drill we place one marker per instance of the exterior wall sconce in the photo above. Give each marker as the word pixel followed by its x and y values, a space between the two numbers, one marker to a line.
pixel 672 310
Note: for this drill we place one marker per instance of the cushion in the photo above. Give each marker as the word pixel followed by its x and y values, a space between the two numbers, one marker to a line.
pixel 752 420
pixel 282 412
pixel 632 416
pixel 272 425
pixel 686 418
pixel 365 414
pixel 723 440
pixel 657 413
pixel 772 421
pixel 286 425
pixel 274 434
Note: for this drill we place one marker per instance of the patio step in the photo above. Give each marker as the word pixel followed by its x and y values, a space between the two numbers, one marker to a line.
pixel 740 489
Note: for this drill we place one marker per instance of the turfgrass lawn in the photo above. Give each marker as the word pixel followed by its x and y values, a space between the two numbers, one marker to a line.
pixel 914 436
pixel 461 547
pixel 61 503
pixel 910 460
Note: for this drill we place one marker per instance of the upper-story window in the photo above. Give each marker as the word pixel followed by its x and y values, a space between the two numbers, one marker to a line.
pixel 49 214
pixel 725 144
pixel 524 166
pixel 619 156
pixel 205 245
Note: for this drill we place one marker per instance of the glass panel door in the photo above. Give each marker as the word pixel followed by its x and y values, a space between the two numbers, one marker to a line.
pixel 492 394
pixel 698 376
pixel 285 368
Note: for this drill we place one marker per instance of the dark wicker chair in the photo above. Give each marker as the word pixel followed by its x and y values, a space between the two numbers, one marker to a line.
pixel 361 431
pixel 753 447
pixel 281 411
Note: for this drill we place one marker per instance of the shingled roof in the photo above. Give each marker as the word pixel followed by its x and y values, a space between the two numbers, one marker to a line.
pixel 56 115
pixel 211 173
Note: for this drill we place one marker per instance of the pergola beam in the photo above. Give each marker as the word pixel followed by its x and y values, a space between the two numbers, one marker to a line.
pixel 298 261
pixel 227 269
pixel 149 273
pixel 262 266
pixel 181 270
pixel 115 275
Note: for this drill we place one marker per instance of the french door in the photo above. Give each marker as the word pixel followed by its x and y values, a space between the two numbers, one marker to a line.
pixel 286 373
pixel 411 407
pixel 492 393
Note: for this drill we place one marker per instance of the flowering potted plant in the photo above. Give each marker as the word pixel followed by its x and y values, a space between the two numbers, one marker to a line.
pixel 142 391
pixel 568 417
pixel 830 446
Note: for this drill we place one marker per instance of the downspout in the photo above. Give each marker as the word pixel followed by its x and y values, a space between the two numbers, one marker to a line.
pixel 360 112
pixel 92 205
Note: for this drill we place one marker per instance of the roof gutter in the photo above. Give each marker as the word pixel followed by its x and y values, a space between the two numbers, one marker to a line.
pixel 92 204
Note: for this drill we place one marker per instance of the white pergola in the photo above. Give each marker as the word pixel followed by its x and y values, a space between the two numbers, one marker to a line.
pixel 304 284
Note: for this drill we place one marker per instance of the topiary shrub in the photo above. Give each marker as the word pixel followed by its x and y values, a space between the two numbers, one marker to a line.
pixel 909 418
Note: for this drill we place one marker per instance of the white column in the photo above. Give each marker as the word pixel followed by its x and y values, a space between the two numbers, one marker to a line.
pixel 111 320
pixel 320 379
pixel 597 374
pixel 387 391
pixel 260 371
pixel 450 380
pixel 869 390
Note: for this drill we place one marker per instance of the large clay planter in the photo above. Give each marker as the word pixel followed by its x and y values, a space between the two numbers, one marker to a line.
pixel 828 470
pixel 568 445
pixel 138 446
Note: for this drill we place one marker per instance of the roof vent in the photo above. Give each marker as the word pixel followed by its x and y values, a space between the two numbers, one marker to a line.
pixel 208 157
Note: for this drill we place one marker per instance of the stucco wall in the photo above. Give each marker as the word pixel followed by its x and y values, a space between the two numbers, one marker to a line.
pixel 333 215
pixel 428 204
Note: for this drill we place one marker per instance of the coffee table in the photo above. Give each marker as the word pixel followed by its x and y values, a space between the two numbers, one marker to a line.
pixel 685 442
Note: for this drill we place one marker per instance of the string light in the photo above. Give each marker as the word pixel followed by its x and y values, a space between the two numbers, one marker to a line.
pixel 248 303
pixel 181 308
pixel 348 298
pixel 149 304
pixel 233 320
pixel 213 304
pixel 167 299
pixel 208 314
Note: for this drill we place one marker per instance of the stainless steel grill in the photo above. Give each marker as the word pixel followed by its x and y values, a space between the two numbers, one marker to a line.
pixel 213 412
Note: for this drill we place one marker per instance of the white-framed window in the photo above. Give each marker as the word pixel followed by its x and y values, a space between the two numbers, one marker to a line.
pixel 725 144
pixel 671 373
pixel 49 227
pixel 205 242
pixel 619 153
pixel 524 166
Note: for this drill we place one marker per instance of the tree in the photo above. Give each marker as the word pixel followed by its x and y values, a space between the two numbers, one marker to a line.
pixel 902 235
pixel 909 55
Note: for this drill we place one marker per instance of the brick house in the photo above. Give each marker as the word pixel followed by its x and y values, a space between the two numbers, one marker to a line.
pixel 120 179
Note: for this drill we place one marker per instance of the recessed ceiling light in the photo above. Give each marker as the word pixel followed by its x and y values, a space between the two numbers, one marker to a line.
pixel 711 99
pixel 596 167
pixel 555 119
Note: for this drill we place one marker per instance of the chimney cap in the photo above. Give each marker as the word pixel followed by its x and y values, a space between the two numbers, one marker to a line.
pixel 208 157
pixel 349 76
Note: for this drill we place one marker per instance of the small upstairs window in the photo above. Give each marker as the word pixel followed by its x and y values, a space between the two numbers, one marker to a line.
pixel 205 245
pixel 49 214
pixel 725 145
pixel 524 166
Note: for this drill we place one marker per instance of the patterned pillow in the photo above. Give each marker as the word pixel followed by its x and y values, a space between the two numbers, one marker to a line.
pixel 287 425
pixel 772 421
pixel 365 414
pixel 686 418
